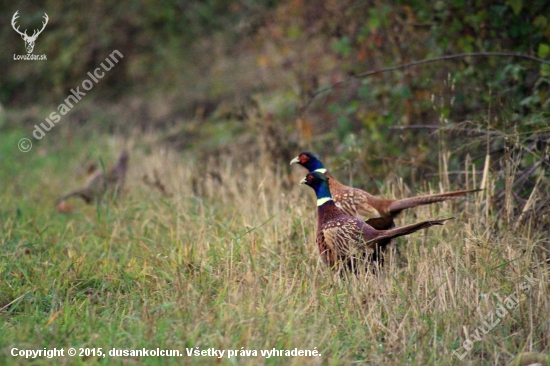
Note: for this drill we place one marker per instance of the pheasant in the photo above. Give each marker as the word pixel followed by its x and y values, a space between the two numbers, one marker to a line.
pixel 375 211
pixel 101 183
pixel 346 241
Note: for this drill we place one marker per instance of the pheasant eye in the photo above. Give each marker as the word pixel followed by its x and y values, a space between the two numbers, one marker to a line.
pixel 304 158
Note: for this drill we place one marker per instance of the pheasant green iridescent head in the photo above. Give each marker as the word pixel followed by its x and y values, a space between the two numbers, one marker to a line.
pixel 319 182
pixel 310 161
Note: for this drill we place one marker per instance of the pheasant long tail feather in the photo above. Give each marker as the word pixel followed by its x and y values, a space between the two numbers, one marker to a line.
pixel 405 230
pixel 400 205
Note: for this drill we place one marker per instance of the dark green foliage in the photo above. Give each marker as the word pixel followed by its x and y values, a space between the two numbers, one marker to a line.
pixel 80 36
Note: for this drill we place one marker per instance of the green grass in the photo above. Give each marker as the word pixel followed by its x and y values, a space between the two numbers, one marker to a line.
pixel 233 265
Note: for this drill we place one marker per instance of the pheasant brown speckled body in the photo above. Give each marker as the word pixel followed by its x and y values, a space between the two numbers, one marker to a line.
pixel 101 183
pixel 376 211
pixel 347 241
pixel 342 239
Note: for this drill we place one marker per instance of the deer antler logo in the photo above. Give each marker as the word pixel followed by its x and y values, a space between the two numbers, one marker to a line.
pixel 29 41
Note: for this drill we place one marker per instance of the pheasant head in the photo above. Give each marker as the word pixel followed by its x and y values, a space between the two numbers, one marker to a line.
pixel 319 182
pixel 310 161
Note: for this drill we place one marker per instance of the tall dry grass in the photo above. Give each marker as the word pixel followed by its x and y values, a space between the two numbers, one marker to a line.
pixel 225 257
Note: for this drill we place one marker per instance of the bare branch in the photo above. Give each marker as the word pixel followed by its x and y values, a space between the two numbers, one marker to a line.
pixel 416 63
pixel 447 128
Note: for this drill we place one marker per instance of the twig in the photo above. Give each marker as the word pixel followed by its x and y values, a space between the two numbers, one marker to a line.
pixel 156 183
pixel 12 302
pixel 416 63
pixel 416 127
pixel 452 172
pixel 522 178
pixel 535 138
pixel 531 199
pixel 490 153
pixel 446 128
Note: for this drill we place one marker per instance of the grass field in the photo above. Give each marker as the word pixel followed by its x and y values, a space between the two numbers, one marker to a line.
pixel 228 261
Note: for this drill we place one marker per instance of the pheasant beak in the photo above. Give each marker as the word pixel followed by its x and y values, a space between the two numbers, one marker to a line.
pixel 296 160
pixel 303 181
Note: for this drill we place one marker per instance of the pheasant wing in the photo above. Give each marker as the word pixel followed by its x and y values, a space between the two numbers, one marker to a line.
pixel 347 237
pixel 356 203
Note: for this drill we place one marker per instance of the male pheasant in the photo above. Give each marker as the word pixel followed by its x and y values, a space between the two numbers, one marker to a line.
pixel 375 211
pixel 346 241
pixel 101 183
